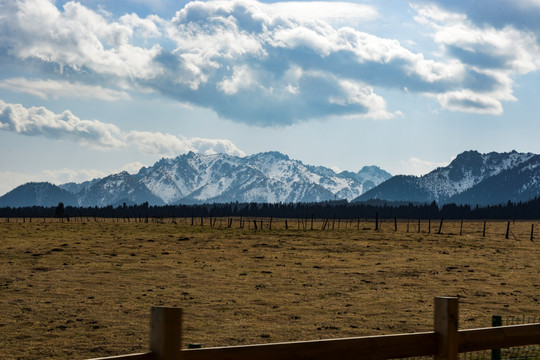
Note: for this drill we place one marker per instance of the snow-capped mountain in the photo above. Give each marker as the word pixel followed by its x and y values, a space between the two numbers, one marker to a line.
pixel 469 170
pixel 115 190
pixel 519 183
pixel 194 178
pixel 37 194
pixel 264 177
pixel 75 188
pixel 471 178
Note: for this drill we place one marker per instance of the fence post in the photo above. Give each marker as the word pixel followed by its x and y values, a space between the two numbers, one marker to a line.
pixel 446 327
pixel 496 320
pixel 166 333
pixel 440 226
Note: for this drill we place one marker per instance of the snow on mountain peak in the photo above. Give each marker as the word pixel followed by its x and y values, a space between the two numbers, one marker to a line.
pixel 263 177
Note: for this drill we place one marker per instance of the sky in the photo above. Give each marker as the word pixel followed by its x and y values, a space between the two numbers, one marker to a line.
pixel 96 87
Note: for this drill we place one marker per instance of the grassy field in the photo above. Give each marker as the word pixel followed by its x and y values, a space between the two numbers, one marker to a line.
pixel 83 289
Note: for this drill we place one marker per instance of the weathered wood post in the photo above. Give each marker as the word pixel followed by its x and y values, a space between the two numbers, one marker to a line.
pixel 446 328
pixel 461 228
pixel 532 232
pixel 166 333
pixel 484 231
pixel 376 221
pixel 507 230
pixel 440 226
pixel 395 223
pixel 325 222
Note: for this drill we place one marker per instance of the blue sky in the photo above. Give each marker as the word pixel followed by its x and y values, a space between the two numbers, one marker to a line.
pixel 94 87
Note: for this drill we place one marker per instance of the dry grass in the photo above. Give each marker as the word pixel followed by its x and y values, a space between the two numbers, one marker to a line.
pixel 84 289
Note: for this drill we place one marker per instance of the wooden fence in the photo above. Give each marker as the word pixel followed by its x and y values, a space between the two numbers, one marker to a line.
pixel 444 342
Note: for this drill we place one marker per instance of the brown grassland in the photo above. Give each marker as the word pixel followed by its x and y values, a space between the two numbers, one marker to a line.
pixel 84 289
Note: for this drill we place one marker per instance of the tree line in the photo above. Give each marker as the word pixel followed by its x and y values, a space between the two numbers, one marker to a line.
pixel 323 210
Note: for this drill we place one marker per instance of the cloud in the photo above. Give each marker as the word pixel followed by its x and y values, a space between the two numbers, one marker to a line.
pixel 167 144
pixel 131 168
pixel 57 89
pixel 39 121
pixel 319 10
pixel 518 14
pixel 273 64
pixel 234 57
pixel 470 102
pixel 75 37
pixel 492 51
pixel 418 167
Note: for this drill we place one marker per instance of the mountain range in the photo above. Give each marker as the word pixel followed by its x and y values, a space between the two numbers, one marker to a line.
pixel 471 178
pixel 271 177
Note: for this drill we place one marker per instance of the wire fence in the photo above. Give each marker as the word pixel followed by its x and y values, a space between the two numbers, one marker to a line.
pixel 521 352
pixel 529 352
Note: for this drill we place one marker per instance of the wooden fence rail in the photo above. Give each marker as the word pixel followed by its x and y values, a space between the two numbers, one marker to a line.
pixel 445 342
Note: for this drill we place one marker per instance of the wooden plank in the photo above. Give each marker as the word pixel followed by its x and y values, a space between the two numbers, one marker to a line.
pixel 499 337
pixel 446 327
pixel 371 348
pixel 141 356
pixel 166 332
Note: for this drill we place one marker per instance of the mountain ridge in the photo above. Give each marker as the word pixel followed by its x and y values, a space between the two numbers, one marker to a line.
pixel 271 177
pixel 468 171
pixel 192 178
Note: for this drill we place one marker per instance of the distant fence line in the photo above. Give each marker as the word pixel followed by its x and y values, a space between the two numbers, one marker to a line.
pixel 437 226
pixel 446 341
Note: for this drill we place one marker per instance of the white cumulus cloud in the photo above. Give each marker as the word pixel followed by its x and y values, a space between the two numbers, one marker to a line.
pixel 39 121
pixel 492 53
pixel 236 57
